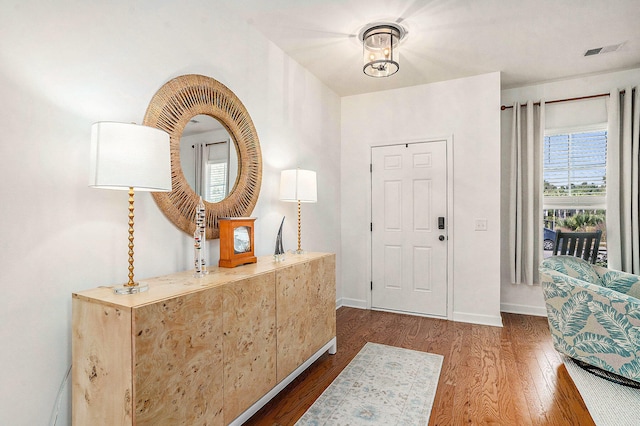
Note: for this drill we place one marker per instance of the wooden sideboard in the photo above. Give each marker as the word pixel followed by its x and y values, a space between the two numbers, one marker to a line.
pixel 200 351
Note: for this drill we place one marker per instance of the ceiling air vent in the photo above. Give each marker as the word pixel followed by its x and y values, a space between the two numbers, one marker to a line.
pixel 601 50
pixel 591 52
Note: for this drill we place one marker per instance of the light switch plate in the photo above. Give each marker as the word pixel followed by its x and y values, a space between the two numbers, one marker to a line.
pixel 481 224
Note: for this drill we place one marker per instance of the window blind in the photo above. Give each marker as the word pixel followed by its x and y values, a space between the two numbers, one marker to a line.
pixel 575 164
pixel 217 181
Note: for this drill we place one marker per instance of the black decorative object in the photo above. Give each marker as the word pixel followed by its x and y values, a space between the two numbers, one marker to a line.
pixel 278 254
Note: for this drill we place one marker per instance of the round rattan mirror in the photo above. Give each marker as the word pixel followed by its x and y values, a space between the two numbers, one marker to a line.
pixel 170 109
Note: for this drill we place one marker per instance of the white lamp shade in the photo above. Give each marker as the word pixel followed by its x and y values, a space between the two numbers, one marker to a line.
pixel 298 185
pixel 125 155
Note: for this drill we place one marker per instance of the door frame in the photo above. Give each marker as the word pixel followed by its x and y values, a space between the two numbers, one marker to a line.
pixel 450 222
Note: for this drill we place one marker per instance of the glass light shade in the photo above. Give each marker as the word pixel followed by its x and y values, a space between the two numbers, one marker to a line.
pixel 379 50
pixel 125 155
pixel 298 185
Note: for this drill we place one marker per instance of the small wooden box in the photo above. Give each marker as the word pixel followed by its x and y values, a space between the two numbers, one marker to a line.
pixel 236 241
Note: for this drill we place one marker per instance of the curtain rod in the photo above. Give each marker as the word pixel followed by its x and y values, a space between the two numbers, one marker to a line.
pixel 503 107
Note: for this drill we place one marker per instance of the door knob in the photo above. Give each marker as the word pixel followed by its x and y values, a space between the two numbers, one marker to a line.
pixel 441 237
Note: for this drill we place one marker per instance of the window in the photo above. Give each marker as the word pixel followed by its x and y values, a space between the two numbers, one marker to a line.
pixel 574 194
pixel 216 181
pixel 575 168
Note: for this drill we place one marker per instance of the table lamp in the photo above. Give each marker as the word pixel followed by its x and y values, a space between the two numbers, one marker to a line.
pixel 129 157
pixel 298 186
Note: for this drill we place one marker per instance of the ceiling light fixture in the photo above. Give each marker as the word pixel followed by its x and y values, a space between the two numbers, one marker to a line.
pixel 379 45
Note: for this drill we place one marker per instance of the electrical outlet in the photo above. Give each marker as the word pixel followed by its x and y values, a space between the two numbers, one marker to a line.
pixel 481 224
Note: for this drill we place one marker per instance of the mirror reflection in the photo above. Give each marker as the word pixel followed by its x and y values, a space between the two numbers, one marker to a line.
pixel 208 158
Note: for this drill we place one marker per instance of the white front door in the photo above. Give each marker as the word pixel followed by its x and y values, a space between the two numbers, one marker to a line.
pixel 409 205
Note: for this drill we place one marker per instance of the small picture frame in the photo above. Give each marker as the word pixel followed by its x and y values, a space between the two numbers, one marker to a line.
pixel 236 241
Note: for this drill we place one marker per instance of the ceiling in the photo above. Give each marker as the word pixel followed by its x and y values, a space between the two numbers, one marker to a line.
pixel 529 41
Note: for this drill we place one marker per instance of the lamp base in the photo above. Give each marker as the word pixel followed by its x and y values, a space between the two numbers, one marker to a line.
pixel 131 289
pixel 299 251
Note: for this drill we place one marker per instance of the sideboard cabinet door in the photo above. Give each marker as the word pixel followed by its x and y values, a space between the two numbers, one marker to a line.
pixel 249 319
pixel 306 314
pixel 178 360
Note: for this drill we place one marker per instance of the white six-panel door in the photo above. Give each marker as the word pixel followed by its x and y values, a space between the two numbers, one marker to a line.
pixel 409 252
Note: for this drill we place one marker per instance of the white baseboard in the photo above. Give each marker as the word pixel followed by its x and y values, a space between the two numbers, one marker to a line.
pixel 415 314
pixel 354 303
pixel 538 311
pixel 457 316
pixel 478 319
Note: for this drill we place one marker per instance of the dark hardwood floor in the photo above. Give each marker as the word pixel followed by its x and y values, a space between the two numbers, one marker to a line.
pixel 490 375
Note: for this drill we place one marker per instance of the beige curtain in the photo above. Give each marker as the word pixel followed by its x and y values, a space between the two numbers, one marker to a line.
pixel 623 140
pixel 525 201
pixel 199 155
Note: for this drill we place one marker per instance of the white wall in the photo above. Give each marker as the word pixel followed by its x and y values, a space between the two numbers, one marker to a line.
pixel 466 110
pixel 528 299
pixel 69 63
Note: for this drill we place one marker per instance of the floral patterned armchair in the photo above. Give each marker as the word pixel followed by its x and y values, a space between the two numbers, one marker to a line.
pixel 593 313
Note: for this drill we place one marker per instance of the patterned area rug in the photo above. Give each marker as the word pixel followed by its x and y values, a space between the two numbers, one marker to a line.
pixel 607 402
pixel 382 385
